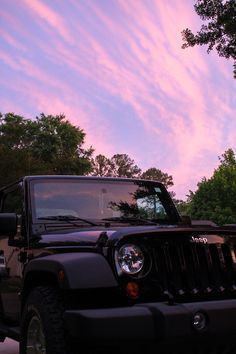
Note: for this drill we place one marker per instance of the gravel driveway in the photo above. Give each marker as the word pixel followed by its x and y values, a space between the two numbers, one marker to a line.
pixel 9 347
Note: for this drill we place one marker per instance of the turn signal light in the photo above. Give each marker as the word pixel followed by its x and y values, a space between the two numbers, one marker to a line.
pixel 132 290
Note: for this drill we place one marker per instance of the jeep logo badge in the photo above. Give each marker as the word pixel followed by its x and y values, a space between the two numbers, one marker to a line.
pixel 198 239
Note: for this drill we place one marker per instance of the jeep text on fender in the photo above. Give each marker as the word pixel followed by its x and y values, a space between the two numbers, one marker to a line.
pixel 90 263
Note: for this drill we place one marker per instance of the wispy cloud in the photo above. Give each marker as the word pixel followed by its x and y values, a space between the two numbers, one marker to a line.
pixel 117 69
pixel 49 16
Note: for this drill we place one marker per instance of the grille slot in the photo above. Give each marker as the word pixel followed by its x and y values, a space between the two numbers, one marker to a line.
pixel 195 269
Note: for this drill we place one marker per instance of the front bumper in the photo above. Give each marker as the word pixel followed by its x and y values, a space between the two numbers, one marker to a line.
pixel 158 325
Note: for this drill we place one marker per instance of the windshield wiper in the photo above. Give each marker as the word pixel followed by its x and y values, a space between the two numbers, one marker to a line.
pixel 125 219
pixel 70 219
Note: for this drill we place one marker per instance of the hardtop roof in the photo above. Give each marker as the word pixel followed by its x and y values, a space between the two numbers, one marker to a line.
pixel 79 177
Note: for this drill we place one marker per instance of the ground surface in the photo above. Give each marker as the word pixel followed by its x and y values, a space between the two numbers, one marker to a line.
pixel 9 347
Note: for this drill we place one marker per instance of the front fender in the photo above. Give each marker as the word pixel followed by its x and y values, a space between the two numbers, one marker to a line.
pixel 81 270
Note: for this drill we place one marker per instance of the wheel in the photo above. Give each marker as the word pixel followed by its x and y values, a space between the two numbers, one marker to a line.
pixel 42 329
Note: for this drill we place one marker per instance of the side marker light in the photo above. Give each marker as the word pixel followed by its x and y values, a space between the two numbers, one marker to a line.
pixel 61 275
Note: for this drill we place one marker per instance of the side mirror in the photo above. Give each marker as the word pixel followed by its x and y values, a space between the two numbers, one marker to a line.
pixel 8 224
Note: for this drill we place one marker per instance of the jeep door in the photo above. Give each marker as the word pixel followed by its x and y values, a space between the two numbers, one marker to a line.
pixel 10 266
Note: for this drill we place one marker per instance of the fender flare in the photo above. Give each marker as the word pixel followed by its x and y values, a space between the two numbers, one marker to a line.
pixel 81 270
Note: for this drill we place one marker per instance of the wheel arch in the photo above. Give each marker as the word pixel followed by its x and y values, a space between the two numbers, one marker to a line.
pixel 36 278
pixel 85 270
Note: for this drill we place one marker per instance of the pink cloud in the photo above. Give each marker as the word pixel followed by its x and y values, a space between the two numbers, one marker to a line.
pixel 138 61
pixel 51 17
pixel 190 138
pixel 13 21
pixel 43 100
pixel 28 68
pixel 9 39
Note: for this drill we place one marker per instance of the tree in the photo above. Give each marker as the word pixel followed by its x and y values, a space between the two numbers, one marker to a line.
pixel 124 166
pixel 215 197
pixel 17 163
pixel 120 165
pixel 46 145
pixel 59 142
pixel 220 30
pixel 156 174
pixel 102 166
pixel 15 131
pixel 182 206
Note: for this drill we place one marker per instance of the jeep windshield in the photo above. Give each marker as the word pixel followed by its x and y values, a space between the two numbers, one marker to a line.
pixel 93 200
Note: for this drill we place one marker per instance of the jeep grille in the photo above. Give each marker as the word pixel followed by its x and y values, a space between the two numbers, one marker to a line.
pixel 195 269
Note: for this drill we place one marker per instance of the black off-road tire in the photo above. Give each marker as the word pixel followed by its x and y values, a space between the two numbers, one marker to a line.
pixel 45 304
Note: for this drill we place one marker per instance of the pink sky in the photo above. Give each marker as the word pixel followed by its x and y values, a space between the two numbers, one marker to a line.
pixel 116 69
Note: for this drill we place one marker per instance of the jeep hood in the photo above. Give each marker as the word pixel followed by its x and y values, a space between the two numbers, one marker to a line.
pixel 91 237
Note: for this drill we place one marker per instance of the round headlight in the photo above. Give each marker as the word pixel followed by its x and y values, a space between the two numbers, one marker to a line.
pixel 130 259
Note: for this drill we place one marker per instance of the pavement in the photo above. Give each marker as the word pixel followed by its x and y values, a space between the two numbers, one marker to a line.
pixel 9 347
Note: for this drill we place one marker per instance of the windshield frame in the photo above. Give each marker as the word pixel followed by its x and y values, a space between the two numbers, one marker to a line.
pixel 170 209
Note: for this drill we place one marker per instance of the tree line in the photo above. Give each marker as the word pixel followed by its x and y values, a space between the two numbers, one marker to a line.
pixel 214 198
pixel 52 145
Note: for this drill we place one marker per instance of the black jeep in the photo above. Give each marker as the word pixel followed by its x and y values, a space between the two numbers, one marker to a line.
pixel 91 264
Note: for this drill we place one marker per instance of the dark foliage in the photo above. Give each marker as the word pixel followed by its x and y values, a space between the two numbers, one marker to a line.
pixel 219 30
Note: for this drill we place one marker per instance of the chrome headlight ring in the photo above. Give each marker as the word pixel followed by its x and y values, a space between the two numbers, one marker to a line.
pixel 129 259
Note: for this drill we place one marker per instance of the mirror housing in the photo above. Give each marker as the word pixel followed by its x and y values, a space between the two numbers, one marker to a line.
pixel 8 224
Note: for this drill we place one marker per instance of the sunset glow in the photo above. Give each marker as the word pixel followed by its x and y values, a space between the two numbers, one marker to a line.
pixel 116 69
